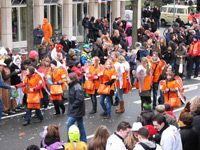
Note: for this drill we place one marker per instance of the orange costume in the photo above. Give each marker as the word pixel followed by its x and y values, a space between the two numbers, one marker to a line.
pixel 93 78
pixel 57 77
pixel 47 30
pixel 34 85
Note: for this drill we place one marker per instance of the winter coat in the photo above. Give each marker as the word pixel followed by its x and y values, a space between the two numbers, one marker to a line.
pixel 15 79
pixel 171 120
pixel 124 44
pixel 78 71
pixel 91 29
pixel 115 142
pixel 145 117
pixel 196 122
pixel 47 30
pixel 76 107
pixel 66 45
pixel 133 63
pixel 71 62
pixel 85 22
pixel 3 85
pixel 147 144
pixel 168 57
pixel 38 35
pixel 189 137
pixel 182 53
pixel 115 40
pixel 51 140
pixel 97 51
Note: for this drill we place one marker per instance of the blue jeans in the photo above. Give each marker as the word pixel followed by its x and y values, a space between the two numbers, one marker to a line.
pixel 28 114
pixel 1 109
pixel 79 120
pixel 107 108
pixel 161 98
pixel 155 91
pixel 120 94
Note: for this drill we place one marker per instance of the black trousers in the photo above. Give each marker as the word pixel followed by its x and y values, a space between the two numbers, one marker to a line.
pixel 191 61
pixel 58 105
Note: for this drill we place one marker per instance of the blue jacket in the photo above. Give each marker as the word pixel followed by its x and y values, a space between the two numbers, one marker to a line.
pixel 4 85
pixel 133 62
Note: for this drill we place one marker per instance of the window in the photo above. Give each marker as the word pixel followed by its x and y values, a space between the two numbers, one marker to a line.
pixel 171 10
pixel 78 15
pixel 164 9
pixel 180 11
pixel 0 30
pixel 19 24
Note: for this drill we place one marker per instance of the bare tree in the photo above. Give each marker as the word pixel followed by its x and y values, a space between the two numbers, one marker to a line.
pixel 29 24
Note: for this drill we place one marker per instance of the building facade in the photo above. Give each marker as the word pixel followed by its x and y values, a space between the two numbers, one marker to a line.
pixel 65 17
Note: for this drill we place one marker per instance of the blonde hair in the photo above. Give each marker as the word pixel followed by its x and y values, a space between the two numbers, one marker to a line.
pixel 130 141
pixel 96 64
pixel 157 47
pixel 115 33
pixel 109 62
pixel 160 108
pixel 194 103
pixel 145 64
pixel 70 51
pixel 164 41
pixel 149 42
pixel 59 55
pixel 121 59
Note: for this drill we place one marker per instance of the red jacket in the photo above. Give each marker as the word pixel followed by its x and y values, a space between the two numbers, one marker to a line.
pixel 78 71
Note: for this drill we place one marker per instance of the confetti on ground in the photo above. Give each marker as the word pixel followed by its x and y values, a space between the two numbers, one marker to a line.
pixel 31 138
pixel 22 133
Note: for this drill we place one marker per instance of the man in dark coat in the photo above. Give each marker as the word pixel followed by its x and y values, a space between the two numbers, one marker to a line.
pixel 85 25
pixel 189 135
pixel 38 34
pixel 65 43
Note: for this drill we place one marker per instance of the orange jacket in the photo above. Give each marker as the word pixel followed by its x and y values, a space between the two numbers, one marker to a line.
pixel 155 71
pixel 190 18
pixel 194 49
pixel 170 85
pixel 57 76
pixel 97 74
pixel 47 30
pixel 125 74
pixel 196 16
pixel 34 84
pixel 147 84
pixel 107 76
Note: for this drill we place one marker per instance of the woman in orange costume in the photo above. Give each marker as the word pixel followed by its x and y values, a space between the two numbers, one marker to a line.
pixel 56 77
pixel 123 72
pixel 34 83
pixel 47 30
pixel 108 78
pixel 170 87
pixel 143 83
pixel 93 75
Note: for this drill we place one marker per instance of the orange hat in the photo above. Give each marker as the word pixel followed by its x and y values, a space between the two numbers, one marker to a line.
pixel 59 47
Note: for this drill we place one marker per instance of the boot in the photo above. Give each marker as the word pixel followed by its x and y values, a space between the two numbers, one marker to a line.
pixel 116 101
pixel 121 107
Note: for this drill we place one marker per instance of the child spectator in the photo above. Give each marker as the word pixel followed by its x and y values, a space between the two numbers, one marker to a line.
pixel 79 71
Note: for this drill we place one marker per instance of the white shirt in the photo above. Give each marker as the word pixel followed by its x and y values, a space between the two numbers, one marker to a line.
pixel 115 143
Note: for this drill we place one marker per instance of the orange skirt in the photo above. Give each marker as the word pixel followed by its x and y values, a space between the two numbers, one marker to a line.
pixel 33 106
pixel 55 97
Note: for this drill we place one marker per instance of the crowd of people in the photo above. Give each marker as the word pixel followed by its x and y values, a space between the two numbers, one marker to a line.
pixel 110 69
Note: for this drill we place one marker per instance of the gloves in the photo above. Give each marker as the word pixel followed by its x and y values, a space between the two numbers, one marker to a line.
pixel 110 82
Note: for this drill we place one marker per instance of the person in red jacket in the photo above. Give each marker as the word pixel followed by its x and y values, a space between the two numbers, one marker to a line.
pixel 79 71
pixel 194 56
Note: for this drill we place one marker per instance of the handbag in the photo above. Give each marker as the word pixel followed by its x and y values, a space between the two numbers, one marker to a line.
pixel 104 89
pixel 175 102
pixel 33 97
pixel 14 94
pixel 56 89
pixel 88 85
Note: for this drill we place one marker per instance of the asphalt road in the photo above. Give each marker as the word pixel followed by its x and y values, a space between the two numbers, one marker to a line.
pixel 15 136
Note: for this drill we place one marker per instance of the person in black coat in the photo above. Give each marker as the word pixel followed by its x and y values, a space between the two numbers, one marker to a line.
pixel 76 107
pixel 38 34
pixel 168 56
pixel 189 135
pixel 91 28
pixel 124 43
pixel 65 43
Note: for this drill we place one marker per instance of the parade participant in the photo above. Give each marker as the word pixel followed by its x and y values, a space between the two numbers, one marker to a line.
pixel 143 75
pixel 56 79
pixel 74 137
pixel 170 89
pixel 156 69
pixel 51 138
pixel 34 83
pixel 86 55
pixel 170 135
pixel 93 78
pixel 99 140
pixel 123 73
pixel 46 26
pixel 116 140
pixel 107 79
pixel 76 106
pixel 5 86
pixel 194 56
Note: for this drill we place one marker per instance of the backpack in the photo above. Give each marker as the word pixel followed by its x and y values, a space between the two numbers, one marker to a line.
pixel 147 147
pixel 54 146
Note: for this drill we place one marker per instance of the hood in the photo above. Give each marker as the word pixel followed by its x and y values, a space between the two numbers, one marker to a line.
pixel 197 112
pixel 74 134
pixel 127 26
pixel 149 144
pixel 45 20
pixel 155 61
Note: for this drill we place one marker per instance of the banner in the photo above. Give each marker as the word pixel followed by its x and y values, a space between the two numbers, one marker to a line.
pixel 101 1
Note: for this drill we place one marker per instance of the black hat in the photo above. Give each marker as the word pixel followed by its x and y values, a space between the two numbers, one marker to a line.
pixel 27 62
pixel 54 62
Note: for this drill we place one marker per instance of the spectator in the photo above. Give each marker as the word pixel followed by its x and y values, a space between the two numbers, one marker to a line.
pixel 189 135
pixel 116 37
pixel 65 43
pixel 168 56
pixel 85 25
pixel 42 48
pixel 144 143
pixel 168 110
pixel 116 140
pixel 38 34
pixel 76 107
pixel 170 120
pixel 99 140
pixel 170 135
pixel 86 55
pixel 115 23
pixel 124 43
pixel 74 137
pixel 91 29
pixel 51 138
pixel 9 52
